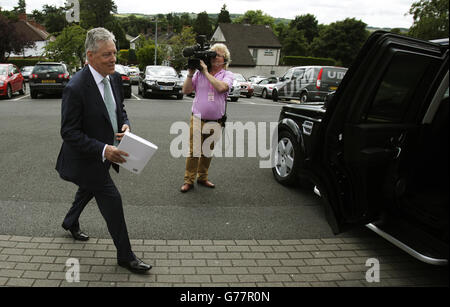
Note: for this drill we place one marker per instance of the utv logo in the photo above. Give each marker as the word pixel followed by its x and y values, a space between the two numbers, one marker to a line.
pixel 73 11
pixel 73 271
pixel 373 273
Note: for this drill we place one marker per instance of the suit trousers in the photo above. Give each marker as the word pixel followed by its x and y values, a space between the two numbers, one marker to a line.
pixel 200 156
pixel 109 203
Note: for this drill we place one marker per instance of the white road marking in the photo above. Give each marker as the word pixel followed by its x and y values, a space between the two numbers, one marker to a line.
pixel 136 96
pixel 21 98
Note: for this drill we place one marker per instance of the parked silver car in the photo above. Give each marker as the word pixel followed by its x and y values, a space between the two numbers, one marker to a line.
pixel 133 73
pixel 265 87
pixel 235 91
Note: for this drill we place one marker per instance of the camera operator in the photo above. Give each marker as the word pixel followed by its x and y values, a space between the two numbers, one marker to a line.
pixel 211 87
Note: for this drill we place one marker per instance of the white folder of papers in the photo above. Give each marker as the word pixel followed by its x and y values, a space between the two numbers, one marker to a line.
pixel 139 150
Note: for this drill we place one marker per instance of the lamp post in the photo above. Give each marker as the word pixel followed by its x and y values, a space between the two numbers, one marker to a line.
pixel 156 39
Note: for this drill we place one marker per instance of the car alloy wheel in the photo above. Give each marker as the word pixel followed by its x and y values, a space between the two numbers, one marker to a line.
pixel 23 90
pixel 304 97
pixel 9 92
pixel 264 94
pixel 284 157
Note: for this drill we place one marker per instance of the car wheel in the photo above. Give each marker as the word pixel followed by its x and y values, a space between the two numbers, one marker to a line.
pixel 179 97
pixel 23 90
pixel 249 95
pixel 33 94
pixel 304 97
pixel 139 90
pixel 264 94
pixel 234 99
pixel 9 92
pixel 128 94
pixel 275 95
pixel 287 158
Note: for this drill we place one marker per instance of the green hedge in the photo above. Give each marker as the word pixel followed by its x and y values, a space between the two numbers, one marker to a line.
pixel 26 62
pixel 307 61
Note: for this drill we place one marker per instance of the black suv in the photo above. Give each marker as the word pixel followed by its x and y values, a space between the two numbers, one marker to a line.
pixel 48 77
pixel 160 80
pixel 377 152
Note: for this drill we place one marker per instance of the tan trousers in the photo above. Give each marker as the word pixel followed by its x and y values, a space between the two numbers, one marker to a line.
pixel 198 162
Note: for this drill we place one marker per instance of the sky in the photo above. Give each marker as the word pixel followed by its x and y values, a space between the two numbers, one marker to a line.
pixel 378 13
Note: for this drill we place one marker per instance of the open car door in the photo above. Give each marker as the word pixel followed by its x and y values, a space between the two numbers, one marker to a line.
pixel 372 126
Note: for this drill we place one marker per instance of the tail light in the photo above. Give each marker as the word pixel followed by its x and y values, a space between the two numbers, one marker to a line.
pixel 63 76
pixel 125 78
pixel 33 76
pixel 319 79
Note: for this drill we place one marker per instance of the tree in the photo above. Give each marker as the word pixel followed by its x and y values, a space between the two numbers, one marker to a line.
pixel 146 53
pixel 68 47
pixel 295 43
pixel 96 13
pixel 177 43
pixel 21 7
pixel 11 40
pixel 340 40
pixel 308 24
pixel 51 17
pixel 202 25
pixel 430 19
pixel 224 15
pixel 256 18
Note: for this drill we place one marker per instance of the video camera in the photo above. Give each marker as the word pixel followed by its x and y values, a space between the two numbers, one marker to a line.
pixel 199 52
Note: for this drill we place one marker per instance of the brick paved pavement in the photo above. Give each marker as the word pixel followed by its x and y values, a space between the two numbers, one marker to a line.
pixel 335 262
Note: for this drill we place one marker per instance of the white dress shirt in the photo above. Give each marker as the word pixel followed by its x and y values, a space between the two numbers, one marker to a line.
pixel 98 78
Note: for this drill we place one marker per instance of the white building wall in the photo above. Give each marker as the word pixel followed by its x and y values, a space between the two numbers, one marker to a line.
pixel 36 51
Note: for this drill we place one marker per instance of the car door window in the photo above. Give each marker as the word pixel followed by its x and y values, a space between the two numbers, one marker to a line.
pixel 298 73
pixel 394 93
pixel 288 75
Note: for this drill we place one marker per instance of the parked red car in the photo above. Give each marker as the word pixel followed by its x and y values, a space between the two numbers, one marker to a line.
pixel 11 80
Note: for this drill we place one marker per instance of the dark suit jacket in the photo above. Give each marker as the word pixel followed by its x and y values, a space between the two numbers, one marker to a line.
pixel 86 128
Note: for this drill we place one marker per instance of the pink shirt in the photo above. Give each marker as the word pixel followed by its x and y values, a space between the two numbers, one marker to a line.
pixel 208 102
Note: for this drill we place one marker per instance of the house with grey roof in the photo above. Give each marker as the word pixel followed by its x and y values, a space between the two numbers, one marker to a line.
pixel 33 32
pixel 253 48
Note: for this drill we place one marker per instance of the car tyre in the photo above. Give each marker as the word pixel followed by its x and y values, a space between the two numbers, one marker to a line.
pixel 264 94
pixel 179 97
pixel 9 92
pixel 234 99
pixel 23 90
pixel 275 95
pixel 288 157
pixel 33 94
pixel 249 95
pixel 303 97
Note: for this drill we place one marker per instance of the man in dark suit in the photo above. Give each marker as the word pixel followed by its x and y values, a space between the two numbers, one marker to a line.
pixel 93 121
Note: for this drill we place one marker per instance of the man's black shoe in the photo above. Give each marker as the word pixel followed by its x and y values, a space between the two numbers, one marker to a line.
pixel 135 266
pixel 79 235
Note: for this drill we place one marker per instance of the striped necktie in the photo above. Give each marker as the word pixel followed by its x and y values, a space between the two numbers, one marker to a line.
pixel 111 107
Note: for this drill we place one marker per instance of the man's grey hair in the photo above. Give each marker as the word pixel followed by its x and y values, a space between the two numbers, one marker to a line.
pixel 97 35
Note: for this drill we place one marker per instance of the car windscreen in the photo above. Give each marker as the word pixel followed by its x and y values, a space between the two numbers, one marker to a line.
pixel 239 77
pixel 3 71
pixel 27 68
pixel 333 74
pixel 42 69
pixel 161 71
pixel 121 70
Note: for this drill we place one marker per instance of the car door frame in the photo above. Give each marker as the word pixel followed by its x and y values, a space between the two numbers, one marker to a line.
pixel 354 151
